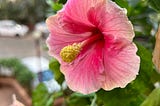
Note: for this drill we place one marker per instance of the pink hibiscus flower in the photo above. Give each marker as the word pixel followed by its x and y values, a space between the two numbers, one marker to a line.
pixel 92 40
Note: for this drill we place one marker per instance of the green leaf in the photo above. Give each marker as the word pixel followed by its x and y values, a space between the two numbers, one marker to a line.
pixel 143 82
pixel 41 97
pixel 82 95
pixel 133 3
pixel 55 67
pixel 153 99
pixel 120 97
pixel 57 6
pixel 155 4
pixel 77 99
pixel 93 103
pixel 139 13
pixel 155 76
pixel 62 1
pixel 122 3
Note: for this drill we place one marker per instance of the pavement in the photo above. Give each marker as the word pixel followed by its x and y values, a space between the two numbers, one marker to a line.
pixel 20 47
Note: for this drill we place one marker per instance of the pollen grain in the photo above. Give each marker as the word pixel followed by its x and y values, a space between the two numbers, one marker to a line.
pixel 70 52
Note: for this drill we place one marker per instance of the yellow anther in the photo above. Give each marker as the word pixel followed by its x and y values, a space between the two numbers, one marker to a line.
pixel 70 52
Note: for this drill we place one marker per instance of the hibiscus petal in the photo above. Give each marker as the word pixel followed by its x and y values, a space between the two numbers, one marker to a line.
pixel 59 38
pixel 121 66
pixel 78 9
pixel 117 23
pixel 84 74
pixel 75 15
pixel 111 20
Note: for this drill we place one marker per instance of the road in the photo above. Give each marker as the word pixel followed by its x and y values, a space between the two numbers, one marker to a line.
pixel 20 47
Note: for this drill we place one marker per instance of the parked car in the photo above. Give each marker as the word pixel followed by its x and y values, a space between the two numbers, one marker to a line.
pixel 42 27
pixel 36 64
pixel 12 29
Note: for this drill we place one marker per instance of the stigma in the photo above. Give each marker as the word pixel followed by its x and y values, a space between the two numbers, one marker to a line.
pixel 70 52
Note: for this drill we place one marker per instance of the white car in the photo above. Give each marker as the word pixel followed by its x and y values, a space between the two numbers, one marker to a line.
pixel 11 28
pixel 42 27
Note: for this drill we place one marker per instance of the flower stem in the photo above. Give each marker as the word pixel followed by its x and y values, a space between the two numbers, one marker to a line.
pixel 94 101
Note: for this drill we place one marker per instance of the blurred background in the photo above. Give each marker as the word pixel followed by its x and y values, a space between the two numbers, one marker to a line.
pixel 27 70
pixel 23 53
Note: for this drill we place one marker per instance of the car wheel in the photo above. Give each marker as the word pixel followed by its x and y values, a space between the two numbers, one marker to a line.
pixel 17 35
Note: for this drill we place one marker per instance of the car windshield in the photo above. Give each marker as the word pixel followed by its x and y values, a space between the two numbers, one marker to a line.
pixel 7 23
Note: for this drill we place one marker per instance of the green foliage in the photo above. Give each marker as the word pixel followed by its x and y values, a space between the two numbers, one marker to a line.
pixel 139 16
pixel 155 4
pixel 24 11
pixel 55 5
pixel 55 67
pixel 155 76
pixel 41 97
pixel 62 1
pixel 143 82
pixel 21 72
pixel 119 97
pixel 122 3
pixel 153 99
pixel 77 99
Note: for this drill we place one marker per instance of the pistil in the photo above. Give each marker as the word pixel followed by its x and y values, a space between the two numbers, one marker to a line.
pixel 70 52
